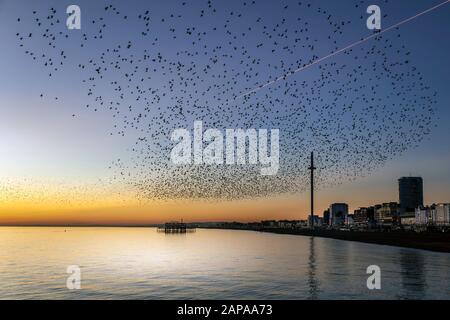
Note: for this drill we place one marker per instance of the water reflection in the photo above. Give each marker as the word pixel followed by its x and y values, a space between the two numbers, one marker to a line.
pixel 412 274
pixel 140 263
pixel 313 283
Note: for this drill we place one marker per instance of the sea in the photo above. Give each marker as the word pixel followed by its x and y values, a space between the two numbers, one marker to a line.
pixel 142 263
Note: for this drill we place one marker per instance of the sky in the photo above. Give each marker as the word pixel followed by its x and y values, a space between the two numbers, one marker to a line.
pixel 58 159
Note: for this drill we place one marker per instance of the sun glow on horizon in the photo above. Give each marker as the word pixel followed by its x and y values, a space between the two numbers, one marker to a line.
pixel 53 201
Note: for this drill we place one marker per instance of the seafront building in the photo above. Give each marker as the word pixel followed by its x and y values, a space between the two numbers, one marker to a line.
pixel 436 215
pixel 338 214
pixel 387 213
pixel 326 217
pixel 440 214
pixel 424 215
pixel 318 221
pixel 380 217
pixel 364 218
pixel 408 212
pixel 410 190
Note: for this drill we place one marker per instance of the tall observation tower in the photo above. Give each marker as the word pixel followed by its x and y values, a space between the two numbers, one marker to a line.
pixel 312 168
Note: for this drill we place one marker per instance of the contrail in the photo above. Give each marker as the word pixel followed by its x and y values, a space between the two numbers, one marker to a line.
pixel 342 50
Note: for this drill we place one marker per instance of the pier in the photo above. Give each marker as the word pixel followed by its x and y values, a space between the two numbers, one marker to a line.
pixel 176 227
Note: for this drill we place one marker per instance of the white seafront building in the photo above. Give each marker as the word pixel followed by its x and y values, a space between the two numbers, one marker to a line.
pixel 441 214
pixel 423 216
pixel 437 214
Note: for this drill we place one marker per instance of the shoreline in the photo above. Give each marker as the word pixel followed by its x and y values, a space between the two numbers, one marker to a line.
pixel 436 242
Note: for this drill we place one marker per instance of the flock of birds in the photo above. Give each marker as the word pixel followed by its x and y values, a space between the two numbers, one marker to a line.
pixel 197 59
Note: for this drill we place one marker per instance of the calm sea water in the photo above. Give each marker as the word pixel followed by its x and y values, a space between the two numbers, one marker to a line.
pixel 140 263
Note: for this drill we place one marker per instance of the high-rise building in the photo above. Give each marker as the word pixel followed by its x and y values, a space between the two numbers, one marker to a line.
pixel 410 194
pixel 338 214
pixel 326 217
